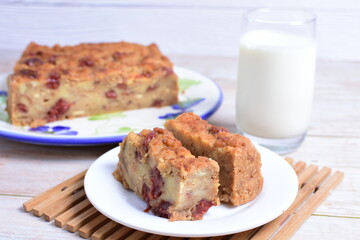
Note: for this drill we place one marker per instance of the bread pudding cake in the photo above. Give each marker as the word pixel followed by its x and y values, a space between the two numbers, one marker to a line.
pixel 174 183
pixel 61 82
pixel 240 174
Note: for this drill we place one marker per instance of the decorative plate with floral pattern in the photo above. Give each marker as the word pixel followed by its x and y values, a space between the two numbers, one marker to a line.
pixel 197 94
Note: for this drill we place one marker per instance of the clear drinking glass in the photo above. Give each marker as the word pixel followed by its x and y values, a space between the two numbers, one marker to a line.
pixel 276 72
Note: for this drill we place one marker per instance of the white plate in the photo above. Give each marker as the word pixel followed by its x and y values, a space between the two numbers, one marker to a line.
pixel 197 94
pixel 123 206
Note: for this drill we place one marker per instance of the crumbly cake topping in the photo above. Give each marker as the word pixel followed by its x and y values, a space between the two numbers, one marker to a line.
pixel 162 142
pixel 218 136
pixel 89 61
pixel 190 164
pixel 163 145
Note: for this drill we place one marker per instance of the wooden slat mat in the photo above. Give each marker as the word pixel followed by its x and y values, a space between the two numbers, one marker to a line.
pixel 67 204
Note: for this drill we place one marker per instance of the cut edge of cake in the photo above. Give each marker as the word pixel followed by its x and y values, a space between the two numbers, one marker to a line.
pixel 174 183
pixel 241 180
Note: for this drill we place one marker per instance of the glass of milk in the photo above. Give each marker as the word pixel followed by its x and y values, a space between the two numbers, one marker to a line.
pixel 276 73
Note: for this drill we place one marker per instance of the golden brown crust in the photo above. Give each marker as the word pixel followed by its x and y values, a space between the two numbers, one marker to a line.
pixel 240 163
pixel 89 61
pixel 165 147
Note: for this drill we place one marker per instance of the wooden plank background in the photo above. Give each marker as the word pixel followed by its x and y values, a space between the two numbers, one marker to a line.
pixel 179 27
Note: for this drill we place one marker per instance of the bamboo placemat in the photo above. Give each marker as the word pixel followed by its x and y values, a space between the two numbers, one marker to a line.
pixel 68 205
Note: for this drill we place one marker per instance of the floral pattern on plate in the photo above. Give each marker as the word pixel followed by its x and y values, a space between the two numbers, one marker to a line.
pixel 183 107
pixel 59 130
pixel 3 114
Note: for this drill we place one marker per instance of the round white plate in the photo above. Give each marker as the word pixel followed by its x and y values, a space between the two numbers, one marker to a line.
pixel 197 94
pixel 123 206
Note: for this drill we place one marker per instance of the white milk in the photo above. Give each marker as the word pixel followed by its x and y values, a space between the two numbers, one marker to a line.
pixel 275 84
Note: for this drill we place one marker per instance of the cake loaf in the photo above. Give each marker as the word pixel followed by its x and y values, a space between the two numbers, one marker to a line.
pixel 174 183
pixel 240 174
pixel 56 83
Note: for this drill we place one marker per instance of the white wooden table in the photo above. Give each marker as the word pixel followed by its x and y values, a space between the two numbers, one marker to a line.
pixel 333 140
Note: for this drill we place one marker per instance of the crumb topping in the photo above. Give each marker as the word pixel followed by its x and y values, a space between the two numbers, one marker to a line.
pixel 164 145
pixel 89 61
pixel 219 136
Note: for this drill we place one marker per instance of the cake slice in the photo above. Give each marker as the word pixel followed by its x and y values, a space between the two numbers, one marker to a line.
pixel 56 83
pixel 240 174
pixel 174 183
